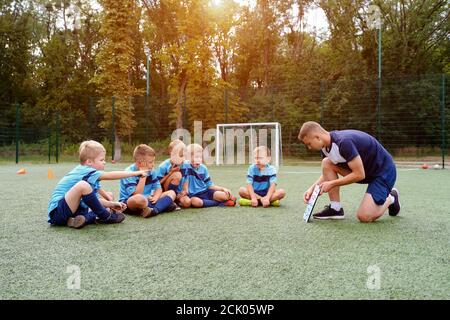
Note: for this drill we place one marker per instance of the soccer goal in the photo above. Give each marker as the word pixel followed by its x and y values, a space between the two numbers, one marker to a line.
pixel 235 142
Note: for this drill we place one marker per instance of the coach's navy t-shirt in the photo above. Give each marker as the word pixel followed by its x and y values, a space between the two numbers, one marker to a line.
pixel 348 144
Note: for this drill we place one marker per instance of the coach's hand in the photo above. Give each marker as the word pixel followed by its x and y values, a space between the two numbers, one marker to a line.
pixel 308 193
pixel 326 186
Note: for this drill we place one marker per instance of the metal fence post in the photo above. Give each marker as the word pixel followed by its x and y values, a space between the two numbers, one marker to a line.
pixel 226 104
pixel 322 101
pixel 91 116
pixel 49 133
pixel 17 130
pixel 113 126
pixel 443 144
pixel 58 132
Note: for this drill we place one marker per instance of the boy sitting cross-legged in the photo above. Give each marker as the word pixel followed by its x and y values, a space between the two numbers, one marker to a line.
pixel 77 191
pixel 198 189
pixel 261 182
pixel 144 195
pixel 169 173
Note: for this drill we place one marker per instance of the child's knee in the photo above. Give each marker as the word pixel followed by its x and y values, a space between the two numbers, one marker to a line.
pixel 281 193
pixel 170 194
pixel 196 202
pixel 175 178
pixel 185 202
pixel 84 186
pixel 137 202
pixel 242 191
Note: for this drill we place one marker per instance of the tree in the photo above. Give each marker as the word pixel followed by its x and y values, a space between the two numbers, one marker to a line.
pixel 115 61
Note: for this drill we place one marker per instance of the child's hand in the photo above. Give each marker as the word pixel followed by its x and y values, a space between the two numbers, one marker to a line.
pixel 142 173
pixel 227 191
pixel 265 202
pixel 118 206
pixel 182 194
pixel 153 199
pixel 254 202
pixel 174 169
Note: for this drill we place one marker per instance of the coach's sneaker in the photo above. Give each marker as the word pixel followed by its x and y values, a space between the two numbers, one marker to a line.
pixel 329 213
pixel 148 212
pixel 275 203
pixel 114 217
pixel 245 202
pixel 76 222
pixel 394 208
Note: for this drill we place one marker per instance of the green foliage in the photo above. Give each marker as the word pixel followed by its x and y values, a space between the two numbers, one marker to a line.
pixel 216 62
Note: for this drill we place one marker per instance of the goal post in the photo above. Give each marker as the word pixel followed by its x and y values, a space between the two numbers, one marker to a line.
pixel 231 138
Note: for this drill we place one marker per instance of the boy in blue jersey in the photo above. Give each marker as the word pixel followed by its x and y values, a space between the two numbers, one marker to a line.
pixel 144 196
pixel 198 189
pixel 77 191
pixel 357 157
pixel 169 173
pixel 261 182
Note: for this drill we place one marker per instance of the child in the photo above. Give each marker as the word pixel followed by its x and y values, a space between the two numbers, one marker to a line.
pixel 357 157
pixel 77 191
pixel 169 173
pixel 261 182
pixel 144 196
pixel 198 189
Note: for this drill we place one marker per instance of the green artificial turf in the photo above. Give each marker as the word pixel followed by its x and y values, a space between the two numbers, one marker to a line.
pixel 228 253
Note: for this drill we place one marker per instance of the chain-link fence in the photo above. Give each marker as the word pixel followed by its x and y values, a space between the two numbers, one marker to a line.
pixel 409 115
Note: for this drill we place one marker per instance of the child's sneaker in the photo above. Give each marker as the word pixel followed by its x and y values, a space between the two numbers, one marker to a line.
pixel 275 203
pixel 245 202
pixel 148 212
pixel 329 213
pixel 231 202
pixel 76 222
pixel 394 208
pixel 113 218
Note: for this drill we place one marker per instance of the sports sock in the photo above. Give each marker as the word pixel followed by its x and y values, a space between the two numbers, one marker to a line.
pixel 392 198
pixel 210 203
pixel 162 204
pixel 92 202
pixel 335 205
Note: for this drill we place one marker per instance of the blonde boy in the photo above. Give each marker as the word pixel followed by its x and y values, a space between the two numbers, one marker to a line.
pixel 261 182
pixel 144 195
pixel 77 191
pixel 169 173
pixel 198 189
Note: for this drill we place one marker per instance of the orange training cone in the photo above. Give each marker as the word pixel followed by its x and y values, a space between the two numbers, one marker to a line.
pixel 50 174
pixel 22 171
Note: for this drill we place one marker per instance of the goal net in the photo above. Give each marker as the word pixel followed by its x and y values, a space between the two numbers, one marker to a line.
pixel 235 142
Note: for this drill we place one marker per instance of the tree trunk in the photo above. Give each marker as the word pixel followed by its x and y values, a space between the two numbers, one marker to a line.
pixel 179 104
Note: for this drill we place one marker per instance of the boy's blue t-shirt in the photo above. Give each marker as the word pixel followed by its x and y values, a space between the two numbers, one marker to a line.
pixel 198 179
pixel 163 170
pixel 79 173
pixel 128 185
pixel 348 144
pixel 261 180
